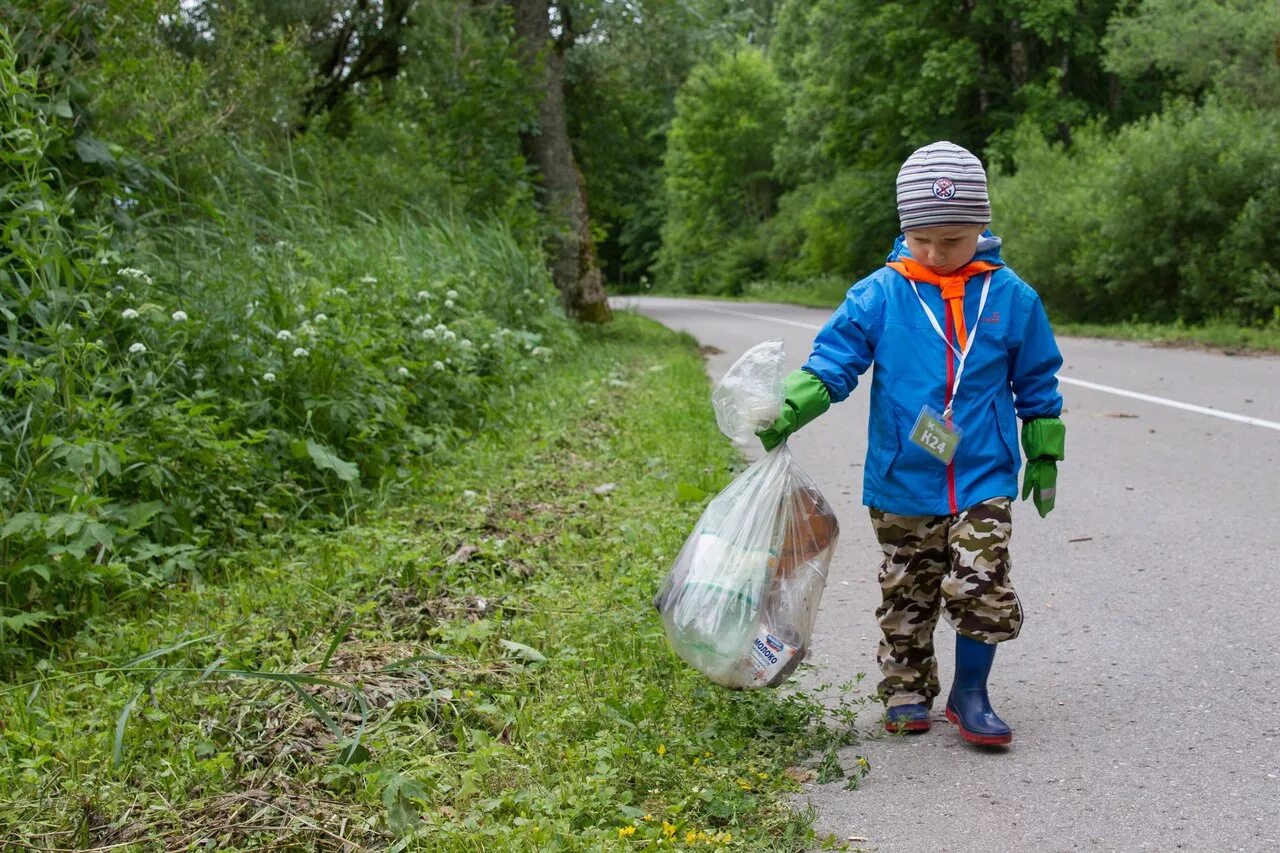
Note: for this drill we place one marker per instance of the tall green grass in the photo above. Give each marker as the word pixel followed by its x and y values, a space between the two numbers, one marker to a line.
pixel 184 388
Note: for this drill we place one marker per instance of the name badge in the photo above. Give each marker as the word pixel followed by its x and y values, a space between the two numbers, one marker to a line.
pixel 932 435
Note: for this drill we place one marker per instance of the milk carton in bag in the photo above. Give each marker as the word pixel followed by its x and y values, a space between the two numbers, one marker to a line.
pixel 739 601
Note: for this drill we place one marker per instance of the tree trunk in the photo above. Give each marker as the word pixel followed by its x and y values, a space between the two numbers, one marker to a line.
pixel 573 252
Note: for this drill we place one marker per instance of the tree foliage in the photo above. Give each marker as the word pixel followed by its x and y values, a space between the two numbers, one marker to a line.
pixel 719 184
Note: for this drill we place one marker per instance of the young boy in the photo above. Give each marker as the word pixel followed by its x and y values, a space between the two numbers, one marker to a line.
pixel 960 345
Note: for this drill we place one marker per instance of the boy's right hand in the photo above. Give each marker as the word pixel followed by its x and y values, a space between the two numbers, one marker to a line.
pixel 806 398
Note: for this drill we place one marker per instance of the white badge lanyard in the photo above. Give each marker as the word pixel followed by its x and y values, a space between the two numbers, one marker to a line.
pixel 961 356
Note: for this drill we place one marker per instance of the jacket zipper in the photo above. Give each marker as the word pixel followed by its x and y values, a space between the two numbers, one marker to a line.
pixel 951 375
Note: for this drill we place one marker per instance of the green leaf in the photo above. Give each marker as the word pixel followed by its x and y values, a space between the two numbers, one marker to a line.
pixel 117 749
pixel 687 493
pixel 351 751
pixel 337 639
pixel 327 460
pixel 164 651
pixel 62 109
pixel 92 150
pixel 524 652
pixel 403 814
pixel 22 621
pixel 21 521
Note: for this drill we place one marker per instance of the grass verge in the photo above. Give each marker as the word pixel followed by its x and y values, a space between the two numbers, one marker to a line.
pixel 480 670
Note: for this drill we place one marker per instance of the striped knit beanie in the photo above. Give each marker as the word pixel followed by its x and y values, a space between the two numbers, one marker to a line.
pixel 942 184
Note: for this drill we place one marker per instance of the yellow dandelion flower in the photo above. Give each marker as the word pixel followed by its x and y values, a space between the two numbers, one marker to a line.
pixel 626 831
pixel 648 817
pixel 668 829
pixel 662 749
pixel 690 837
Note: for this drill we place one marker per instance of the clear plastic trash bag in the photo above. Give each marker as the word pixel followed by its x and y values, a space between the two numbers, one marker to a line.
pixel 739 601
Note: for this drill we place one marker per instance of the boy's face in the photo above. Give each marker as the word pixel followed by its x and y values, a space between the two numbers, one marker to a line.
pixel 944 248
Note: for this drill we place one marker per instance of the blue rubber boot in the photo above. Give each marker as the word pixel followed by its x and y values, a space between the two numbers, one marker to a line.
pixel 907 718
pixel 968 706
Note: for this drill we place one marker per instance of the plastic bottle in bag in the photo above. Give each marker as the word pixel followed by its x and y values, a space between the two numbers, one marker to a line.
pixel 739 601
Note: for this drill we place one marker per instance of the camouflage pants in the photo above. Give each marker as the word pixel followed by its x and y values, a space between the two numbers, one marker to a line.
pixel 957 563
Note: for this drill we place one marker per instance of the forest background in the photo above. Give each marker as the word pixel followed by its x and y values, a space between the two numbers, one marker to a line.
pixel 264 260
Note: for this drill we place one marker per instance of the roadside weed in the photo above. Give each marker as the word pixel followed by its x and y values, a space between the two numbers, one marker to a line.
pixel 477 669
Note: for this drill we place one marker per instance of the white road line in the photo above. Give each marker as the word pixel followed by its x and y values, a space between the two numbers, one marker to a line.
pixel 1173 404
pixel 1093 386
pixel 762 317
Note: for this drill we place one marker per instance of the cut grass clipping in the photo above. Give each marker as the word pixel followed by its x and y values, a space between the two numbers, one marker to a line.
pixel 480 670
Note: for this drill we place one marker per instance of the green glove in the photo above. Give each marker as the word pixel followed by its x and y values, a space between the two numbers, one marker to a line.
pixel 806 398
pixel 1044 441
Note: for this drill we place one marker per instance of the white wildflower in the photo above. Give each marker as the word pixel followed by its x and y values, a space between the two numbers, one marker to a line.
pixel 179 316
pixel 424 295
pixel 448 334
pixel 448 303
pixel 300 352
pixel 307 329
pixel 464 343
pixel 368 279
pixel 452 294
pixel 320 318
pixel 280 244
pixel 135 274
pixel 137 348
pixel 540 352
pixel 437 365
pixel 403 371
pixel 338 291
pixel 129 314
pixel 268 377
pixel 542 302
pixel 441 327
pixel 429 334
pixel 284 335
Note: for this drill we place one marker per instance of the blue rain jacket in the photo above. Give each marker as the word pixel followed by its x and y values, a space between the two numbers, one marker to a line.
pixel 1010 370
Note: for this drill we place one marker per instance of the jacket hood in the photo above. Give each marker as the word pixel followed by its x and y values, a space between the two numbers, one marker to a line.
pixel 988 249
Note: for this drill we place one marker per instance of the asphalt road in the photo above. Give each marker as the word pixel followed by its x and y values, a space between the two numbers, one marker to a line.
pixel 1144 691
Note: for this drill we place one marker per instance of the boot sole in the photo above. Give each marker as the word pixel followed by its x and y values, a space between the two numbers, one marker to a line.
pixel 974 737
pixel 912 726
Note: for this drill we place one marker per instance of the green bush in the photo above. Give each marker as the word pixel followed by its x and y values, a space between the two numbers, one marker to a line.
pixel 229 392
pixel 718 179
pixel 201 385
pixel 1169 219
pixel 214 322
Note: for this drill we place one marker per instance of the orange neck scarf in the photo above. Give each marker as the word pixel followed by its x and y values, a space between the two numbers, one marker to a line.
pixel 952 286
